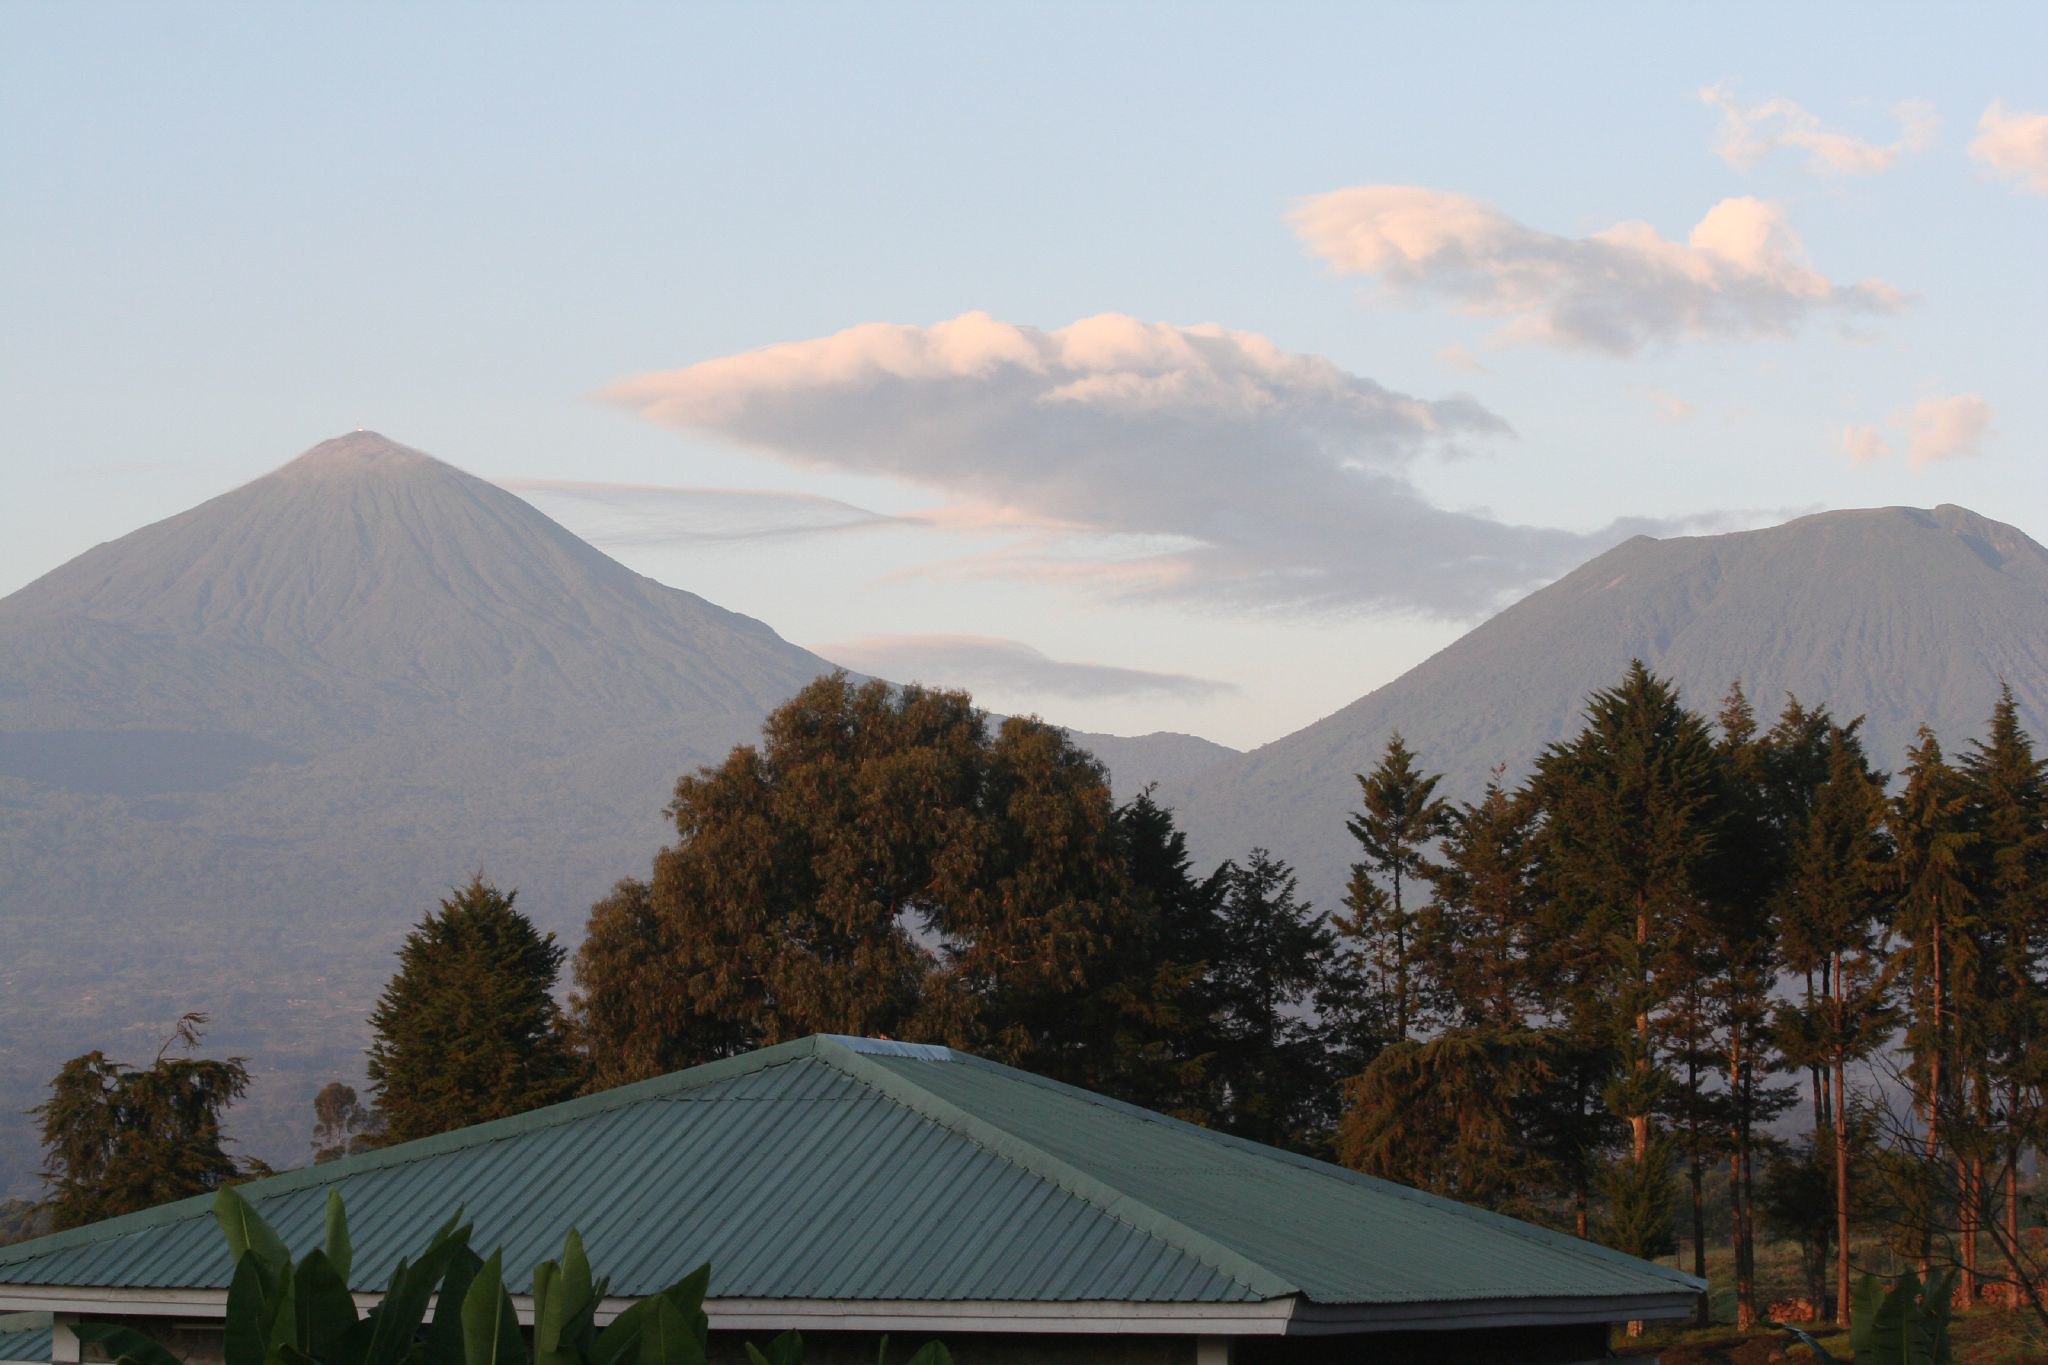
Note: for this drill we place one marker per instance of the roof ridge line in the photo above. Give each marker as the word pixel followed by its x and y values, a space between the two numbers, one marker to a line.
pixel 419 1149
pixel 1328 1170
pixel 1064 1175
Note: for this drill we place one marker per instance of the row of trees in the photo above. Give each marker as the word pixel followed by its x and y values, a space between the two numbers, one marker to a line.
pixel 1553 1001
pixel 1611 963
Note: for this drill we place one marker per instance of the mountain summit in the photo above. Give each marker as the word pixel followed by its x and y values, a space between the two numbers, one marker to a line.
pixel 1898 614
pixel 243 749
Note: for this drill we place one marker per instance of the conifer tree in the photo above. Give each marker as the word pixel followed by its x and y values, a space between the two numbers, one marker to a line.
pixel 118 1139
pixel 1401 817
pixel 1750 862
pixel 1836 906
pixel 1476 938
pixel 1274 1075
pixel 1171 996
pixel 2006 793
pixel 1935 919
pixel 1628 827
pixel 468 1029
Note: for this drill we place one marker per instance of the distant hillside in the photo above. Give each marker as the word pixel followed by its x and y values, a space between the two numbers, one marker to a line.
pixel 243 749
pixel 1898 614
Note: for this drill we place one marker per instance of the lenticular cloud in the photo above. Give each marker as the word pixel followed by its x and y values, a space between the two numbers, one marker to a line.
pixel 1177 461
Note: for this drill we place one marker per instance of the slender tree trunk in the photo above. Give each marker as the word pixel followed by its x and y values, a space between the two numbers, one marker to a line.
pixel 1841 1155
pixel 1933 1104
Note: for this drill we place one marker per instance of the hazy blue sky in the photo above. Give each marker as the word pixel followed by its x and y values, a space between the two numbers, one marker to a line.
pixel 1151 366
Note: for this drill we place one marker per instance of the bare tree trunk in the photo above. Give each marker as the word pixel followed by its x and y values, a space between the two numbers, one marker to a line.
pixel 1841 1157
pixel 1933 1104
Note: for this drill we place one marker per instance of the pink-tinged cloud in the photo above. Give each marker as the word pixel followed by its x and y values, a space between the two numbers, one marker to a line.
pixel 1863 444
pixel 1751 132
pixel 1740 274
pixel 2014 145
pixel 1950 428
pixel 980 662
pixel 1196 462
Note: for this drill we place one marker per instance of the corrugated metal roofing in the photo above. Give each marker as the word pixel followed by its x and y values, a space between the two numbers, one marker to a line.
pixel 24 1337
pixel 850 1169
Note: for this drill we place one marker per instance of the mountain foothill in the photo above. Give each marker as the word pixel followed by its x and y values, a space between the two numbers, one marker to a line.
pixel 244 748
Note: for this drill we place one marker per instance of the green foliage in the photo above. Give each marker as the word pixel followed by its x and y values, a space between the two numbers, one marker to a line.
pixel 279 1313
pixel 1898 1322
pixel 1275 1069
pixel 1454 1115
pixel 1639 1194
pixel 468 1030
pixel 886 863
pixel 118 1139
pixel 1400 817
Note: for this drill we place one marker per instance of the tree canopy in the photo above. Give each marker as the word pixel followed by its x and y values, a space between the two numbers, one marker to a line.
pixel 118 1138
pixel 468 1029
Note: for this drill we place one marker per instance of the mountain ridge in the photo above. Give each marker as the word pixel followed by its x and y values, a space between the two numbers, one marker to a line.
pixel 1897 613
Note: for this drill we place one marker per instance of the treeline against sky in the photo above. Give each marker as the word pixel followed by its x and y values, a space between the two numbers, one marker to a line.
pixel 1594 1000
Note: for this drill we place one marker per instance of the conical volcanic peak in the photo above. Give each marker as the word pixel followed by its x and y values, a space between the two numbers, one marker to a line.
pixel 355 454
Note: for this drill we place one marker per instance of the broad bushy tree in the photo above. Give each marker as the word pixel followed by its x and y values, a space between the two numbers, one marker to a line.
pixel 118 1138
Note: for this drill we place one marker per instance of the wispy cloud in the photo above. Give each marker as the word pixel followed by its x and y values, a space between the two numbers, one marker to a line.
pixel 1933 430
pixel 661 514
pixel 979 661
pixel 1751 132
pixel 2014 145
pixel 1205 464
pixel 1741 273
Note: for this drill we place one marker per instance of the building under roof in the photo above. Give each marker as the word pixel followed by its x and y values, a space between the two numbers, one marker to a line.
pixel 850 1187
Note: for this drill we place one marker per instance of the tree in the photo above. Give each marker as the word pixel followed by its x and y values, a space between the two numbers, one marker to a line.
pixel 1167 993
pixel 468 1029
pixel 884 864
pixel 342 1122
pixel 1275 1076
pixel 1835 916
pixel 1477 937
pixel 2006 791
pixel 1454 1115
pixel 1935 911
pixel 1401 818
pixel 1629 811
pixel 118 1139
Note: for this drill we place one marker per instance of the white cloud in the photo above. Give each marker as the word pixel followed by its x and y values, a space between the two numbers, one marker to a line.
pixel 1741 273
pixel 978 662
pixel 661 514
pixel 1933 430
pixel 1189 462
pixel 2014 145
pixel 1749 133
pixel 1864 444
pixel 1946 428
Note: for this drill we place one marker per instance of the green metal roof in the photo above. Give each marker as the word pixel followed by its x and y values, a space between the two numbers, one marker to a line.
pixel 24 1337
pixel 854 1169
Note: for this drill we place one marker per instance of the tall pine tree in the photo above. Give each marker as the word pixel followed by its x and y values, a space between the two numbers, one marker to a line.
pixel 1401 817
pixel 468 1029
